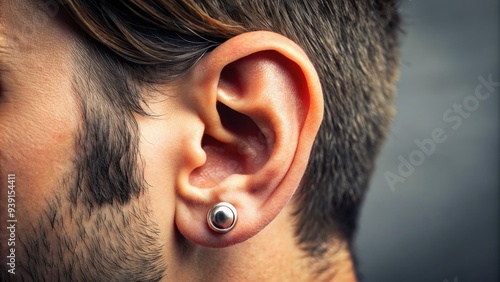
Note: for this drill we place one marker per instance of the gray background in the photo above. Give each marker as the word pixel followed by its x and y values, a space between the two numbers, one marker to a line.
pixel 442 222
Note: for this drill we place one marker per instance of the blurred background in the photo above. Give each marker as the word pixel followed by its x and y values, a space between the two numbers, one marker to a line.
pixel 437 217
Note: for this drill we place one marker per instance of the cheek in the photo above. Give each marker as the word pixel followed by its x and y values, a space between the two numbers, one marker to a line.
pixel 37 144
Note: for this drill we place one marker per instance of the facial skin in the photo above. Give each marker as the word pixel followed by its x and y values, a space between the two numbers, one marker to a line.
pixel 40 121
pixel 37 135
pixel 159 233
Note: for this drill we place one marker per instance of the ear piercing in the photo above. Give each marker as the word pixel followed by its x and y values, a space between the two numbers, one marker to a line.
pixel 222 217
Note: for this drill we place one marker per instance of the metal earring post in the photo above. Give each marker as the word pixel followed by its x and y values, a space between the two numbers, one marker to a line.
pixel 222 217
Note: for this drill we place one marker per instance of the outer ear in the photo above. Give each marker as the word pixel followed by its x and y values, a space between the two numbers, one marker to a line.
pixel 260 101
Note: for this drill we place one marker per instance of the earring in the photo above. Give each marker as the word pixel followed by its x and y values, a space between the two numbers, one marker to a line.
pixel 222 217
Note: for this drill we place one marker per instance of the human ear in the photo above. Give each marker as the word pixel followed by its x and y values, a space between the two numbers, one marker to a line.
pixel 259 101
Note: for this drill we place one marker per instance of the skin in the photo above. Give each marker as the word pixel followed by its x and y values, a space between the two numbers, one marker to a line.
pixel 39 124
pixel 37 138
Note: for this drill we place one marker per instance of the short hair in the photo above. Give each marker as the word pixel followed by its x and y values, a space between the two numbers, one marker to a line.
pixel 353 44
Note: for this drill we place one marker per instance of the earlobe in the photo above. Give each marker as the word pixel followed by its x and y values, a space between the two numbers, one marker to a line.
pixel 260 101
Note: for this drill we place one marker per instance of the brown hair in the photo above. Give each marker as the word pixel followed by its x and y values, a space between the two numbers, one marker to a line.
pixel 353 45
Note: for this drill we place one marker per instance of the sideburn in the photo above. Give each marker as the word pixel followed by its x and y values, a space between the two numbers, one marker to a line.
pixel 108 146
pixel 97 226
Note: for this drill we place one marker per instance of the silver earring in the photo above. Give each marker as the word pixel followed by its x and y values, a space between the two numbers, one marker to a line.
pixel 222 217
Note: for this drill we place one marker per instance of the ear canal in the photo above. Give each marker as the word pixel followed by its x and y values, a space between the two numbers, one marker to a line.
pixel 246 152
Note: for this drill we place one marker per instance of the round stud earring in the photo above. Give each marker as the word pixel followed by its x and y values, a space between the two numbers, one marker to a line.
pixel 222 217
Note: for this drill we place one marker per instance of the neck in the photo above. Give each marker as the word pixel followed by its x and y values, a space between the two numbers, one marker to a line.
pixel 272 255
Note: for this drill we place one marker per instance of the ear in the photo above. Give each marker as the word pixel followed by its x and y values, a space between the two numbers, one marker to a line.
pixel 260 102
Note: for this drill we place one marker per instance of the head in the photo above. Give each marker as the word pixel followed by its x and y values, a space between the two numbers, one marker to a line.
pixel 125 122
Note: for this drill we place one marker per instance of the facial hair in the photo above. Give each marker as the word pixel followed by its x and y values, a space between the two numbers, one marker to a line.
pixel 76 242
